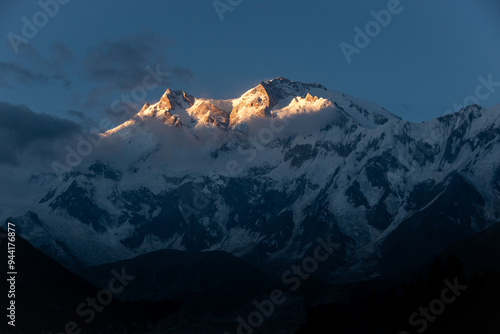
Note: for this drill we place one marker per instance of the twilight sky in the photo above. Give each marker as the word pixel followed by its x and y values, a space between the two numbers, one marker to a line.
pixel 430 56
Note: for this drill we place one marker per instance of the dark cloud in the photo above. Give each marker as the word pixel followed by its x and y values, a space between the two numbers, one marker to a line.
pixel 14 72
pixel 82 118
pixel 60 53
pixel 35 68
pixel 57 62
pixel 121 64
pixel 22 130
pixel 77 114
pixel 182 73
pixel 55 57
pixel 118 67
pixel 29 53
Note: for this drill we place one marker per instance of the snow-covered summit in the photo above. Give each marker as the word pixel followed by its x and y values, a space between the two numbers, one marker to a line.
pixel 279 97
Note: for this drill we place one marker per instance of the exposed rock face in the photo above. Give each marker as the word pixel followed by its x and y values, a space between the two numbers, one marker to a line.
pixel 210 114
pixel 172 99
pixel 259 101
pixel 255 103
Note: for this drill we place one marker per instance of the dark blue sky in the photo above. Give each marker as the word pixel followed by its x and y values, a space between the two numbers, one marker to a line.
pixel 426 59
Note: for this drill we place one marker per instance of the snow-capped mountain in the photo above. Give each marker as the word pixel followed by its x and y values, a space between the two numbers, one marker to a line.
pixel 264 175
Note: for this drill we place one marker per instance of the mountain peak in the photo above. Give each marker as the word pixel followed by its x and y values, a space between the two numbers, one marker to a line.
pixel 279 97
pixel 169 93
pixel 259 101
pixel 290 87
pixel 176 98
pixel 277 80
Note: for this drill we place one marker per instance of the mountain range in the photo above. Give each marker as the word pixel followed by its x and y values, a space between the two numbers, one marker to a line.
pixel 263 176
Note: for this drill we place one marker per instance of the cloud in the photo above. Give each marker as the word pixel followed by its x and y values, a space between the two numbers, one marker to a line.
pixel 15 72
pixel 56 57
pixel 82 118
pixel 77 114
pixel 121 64
pixel 36 69
pixel 60 53
pixel 24 131
pixel 182 73
pixel 118 67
